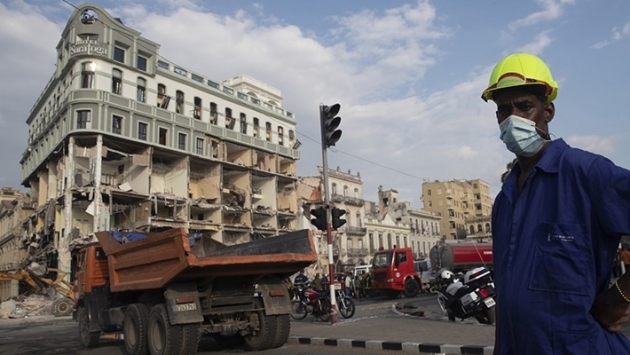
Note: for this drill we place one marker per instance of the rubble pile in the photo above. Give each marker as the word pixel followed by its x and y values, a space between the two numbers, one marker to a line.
pixel 25 306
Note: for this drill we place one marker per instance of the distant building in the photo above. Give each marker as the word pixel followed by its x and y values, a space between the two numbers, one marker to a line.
pixel 456 201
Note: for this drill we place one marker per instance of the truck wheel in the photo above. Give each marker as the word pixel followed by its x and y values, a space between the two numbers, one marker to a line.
pixel 135 329
pixel 283 328
pixel 411 288
pixel 487 317
pixel 298 310
pixel 190 339
pixel 262 330
pixel 162 337
pixel 62 307
pixel 88 339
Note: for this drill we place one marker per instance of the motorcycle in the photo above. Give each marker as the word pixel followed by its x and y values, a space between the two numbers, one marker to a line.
pixel 474 297
pixel 345 304
pixel 309 301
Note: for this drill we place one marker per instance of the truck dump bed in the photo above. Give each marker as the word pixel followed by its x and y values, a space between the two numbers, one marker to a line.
pixel 160 258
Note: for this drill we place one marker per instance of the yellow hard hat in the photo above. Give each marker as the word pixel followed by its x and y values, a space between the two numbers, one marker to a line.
pixel 521 69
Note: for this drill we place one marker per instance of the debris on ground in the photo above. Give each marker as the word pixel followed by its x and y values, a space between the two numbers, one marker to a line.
pixel 25 306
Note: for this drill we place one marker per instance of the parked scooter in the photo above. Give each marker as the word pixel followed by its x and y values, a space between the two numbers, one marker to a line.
pixel 309 301
pixel 474 297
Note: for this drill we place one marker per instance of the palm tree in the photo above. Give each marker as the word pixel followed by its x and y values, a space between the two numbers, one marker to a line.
pixel 508 168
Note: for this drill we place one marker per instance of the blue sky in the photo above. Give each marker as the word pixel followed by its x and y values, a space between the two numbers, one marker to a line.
pixel 408 74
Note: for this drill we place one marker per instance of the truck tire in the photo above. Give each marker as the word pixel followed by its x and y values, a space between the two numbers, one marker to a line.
pixel 411 288
pixel 162 337
pixel 88 339
pixel 135 329
pixel 262 332
pixel 283 328
pixel 62 307
pixel 190 339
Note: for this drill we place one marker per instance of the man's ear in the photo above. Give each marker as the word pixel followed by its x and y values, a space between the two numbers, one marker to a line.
pixel 550 111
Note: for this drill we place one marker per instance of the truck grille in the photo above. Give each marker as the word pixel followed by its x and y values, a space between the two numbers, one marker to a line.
pixel 379 276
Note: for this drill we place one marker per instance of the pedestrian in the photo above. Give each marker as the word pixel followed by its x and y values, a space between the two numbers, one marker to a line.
pixel 317 283
pixel 556 224
pixel 301 279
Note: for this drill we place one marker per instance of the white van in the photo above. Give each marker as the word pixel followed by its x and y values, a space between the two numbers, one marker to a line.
pixel 360 270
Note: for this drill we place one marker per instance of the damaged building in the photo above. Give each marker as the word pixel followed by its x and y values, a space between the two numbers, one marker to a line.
pixel 123 139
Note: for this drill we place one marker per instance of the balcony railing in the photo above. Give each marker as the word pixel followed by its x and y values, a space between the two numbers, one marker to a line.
pixel 352 201
pixel 357 252
pixel 360 231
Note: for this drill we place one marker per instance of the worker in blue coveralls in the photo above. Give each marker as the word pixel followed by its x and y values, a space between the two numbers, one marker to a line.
pixel 556 226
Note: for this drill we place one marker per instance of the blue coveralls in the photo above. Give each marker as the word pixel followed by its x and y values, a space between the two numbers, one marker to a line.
pixel 554 245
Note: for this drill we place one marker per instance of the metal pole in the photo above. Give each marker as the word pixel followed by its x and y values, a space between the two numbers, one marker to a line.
pixel 331 265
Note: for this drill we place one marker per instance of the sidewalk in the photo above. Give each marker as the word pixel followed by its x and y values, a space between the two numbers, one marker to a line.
pixel 398 331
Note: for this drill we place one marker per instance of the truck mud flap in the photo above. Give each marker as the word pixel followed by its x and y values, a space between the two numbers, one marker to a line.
pixel 182 303
pixel 275 296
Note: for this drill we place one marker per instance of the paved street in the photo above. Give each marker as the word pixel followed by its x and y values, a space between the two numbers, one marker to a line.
pixel 378 324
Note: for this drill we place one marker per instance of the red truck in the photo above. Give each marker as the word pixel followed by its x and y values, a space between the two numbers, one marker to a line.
pixel 164 290
pixel 460 256
pixel 394 271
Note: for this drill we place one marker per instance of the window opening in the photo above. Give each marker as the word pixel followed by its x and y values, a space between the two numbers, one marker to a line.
pixel 162 136
pixel 180 102
pixel 116 81
pixel 213 113
pixel 117 124
pixel 162 98
pixel 243 123
pixel 142 131
pixel 142 89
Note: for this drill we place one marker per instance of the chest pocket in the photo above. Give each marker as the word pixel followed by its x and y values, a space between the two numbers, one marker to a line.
pixel 561 259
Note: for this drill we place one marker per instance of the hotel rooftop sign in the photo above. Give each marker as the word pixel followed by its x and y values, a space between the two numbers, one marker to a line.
pixel 88 47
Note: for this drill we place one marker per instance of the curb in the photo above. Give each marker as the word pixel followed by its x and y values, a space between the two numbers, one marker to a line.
pixel 407 347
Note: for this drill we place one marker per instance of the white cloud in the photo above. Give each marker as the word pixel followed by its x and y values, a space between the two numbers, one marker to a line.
pixel 539 43
pixel 617 35
pixel 551 10
pixel 595 144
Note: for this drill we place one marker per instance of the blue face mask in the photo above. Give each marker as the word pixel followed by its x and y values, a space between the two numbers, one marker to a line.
pixel 520 136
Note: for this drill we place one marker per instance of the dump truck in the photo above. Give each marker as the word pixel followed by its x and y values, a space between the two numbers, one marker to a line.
pixel 165 290
pixel 460 256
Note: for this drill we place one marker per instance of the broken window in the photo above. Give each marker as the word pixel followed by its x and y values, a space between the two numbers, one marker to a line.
pixel 197 110
pixel 291 137
pixel 142 131
pixel 116 82
pixel 256 127
pixel 162 98
pixel 213 113
pixel 163 132
pixel 243 123
pixel 199 146
pixel 280 135
pixel 268 131
pixel 83 117
pixel 87 75
pixel 117 124
pixel 141 90
pixel 119 54
pixel 180 101
pixel 215 148
pixel 229 120
pixel 181 141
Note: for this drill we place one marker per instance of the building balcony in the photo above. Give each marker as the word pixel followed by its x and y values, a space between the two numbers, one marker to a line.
pixel 351 201
pixel 357 252
pixel 358 231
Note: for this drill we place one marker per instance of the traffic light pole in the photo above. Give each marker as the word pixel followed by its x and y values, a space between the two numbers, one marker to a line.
pixel 331 262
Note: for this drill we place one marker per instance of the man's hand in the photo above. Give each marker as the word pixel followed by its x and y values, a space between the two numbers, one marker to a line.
pixel 610 310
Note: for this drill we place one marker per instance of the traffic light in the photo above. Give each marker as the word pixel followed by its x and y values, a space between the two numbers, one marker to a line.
pixel 329 122
pixel 336 218
pixel 320 218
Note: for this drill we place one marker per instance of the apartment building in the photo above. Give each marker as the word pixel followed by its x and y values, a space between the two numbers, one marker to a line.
pixel 346 193
pixel 122 138
pixel 479 228
pixel 456 201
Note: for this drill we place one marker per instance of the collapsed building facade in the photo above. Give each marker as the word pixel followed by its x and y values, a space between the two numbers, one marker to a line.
pixel 121 138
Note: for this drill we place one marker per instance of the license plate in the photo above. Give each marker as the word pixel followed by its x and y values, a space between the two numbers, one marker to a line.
pixel 186 307
pixel 489 302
